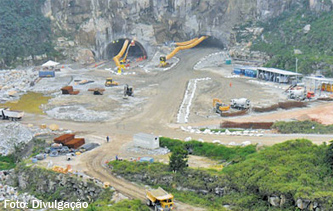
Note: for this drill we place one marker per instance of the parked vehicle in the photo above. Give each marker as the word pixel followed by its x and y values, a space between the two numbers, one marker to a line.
pixel 6 113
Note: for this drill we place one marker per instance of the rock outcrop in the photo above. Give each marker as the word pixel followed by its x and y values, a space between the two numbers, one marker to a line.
pixel 93 24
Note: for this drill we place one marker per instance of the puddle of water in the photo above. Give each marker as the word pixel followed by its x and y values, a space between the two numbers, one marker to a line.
pixel 29 103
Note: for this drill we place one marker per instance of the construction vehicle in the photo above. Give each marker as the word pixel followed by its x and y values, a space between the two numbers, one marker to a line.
pixel 119 64
pixel 160 199
pixel 220 107
pixel 240 103
pixel 109 82
pixel 128 91
pixel 182 46
pixel 6 113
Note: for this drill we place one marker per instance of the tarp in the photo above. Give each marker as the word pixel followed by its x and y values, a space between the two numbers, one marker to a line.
pixel 50 63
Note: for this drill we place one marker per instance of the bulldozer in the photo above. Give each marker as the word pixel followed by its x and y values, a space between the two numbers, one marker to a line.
pixel 109 82
pixel 220 107
pixel 128 91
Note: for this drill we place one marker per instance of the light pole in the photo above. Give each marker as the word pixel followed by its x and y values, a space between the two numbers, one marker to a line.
pixel 296 71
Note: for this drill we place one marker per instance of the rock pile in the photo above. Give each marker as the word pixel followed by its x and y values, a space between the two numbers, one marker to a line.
pixel 227 132
pixel 13 83
pixel 11 193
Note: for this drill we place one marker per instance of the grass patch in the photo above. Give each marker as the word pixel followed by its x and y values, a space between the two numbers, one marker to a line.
pixel 124 205
pixel 210 150
pixel 29 103
pixel 306 127
pixel 295 169
pixel 7 162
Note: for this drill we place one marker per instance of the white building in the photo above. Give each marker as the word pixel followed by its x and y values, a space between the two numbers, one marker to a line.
pixel 147 141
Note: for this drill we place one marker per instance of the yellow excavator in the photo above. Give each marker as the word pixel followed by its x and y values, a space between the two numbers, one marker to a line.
pixel 120 64
pixel 220 107
pixel 181 46
pixel 109 82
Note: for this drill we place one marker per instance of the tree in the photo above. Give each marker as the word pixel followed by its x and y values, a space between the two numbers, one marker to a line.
pixel 329 155
pixel 178 159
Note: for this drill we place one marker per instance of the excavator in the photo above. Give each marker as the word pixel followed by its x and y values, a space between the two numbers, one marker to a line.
pixel 128 91
pixel 120 64
pixel 181 46
pixel 220 107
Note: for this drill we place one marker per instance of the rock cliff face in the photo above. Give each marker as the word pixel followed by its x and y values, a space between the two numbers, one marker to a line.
pixel 93 24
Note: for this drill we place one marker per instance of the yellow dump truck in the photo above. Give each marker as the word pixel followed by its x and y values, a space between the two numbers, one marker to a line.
pixel 160 199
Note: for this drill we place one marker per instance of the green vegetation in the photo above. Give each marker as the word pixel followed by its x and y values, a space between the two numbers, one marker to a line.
pixel 295 169
pixel 7 162
pixel 24 31
pixel 29 103
pixel 307 127
pixel 178 159
pixel 285 33
pixel 124 205
pixel 215 151
pixel 158 174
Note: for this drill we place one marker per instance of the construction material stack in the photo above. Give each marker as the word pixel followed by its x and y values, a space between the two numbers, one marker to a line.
pixel 68 90
pixel 70 141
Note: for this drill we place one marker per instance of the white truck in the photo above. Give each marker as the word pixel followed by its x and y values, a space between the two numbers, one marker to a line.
pixel 6 113
pixel 240 103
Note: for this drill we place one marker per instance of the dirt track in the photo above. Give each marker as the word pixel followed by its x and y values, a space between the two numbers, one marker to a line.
pixel 164 92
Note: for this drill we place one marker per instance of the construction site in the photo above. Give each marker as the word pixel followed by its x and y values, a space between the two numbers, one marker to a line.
pixel 120 106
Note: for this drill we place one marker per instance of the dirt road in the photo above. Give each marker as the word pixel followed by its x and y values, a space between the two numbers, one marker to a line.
pixel 164 92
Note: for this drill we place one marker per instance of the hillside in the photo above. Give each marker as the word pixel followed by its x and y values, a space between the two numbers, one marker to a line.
pixel 301 34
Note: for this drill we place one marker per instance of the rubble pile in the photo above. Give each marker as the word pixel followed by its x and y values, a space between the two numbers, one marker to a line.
pixel 10 193
pixel 14 133
pixel 227 132
pixel 13 83
pixel 77 113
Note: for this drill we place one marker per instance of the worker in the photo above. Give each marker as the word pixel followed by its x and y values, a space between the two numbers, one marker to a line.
pixel 230 84
pixel 116 157
pixel 107 139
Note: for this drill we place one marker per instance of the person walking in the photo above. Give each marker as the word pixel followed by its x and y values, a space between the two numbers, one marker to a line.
pixel 107 139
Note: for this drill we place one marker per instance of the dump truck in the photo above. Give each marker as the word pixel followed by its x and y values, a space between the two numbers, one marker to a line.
pixel 6 113
pixel 240 103
pixel 220 107
pixel 109 82
pixel 160 199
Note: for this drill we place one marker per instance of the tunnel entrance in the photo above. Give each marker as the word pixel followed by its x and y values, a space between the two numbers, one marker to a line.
pixel 135 49
pixel 210 42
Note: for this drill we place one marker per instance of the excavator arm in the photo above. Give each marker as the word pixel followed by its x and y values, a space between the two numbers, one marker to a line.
pixel 191 45
pixel 186 42
pixel 120 54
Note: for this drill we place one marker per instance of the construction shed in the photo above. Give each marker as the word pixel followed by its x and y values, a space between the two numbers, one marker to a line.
pixel 147 141
pixel 277 75
pixel 320 84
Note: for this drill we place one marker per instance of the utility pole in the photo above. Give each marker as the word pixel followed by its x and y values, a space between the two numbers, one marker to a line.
pixel 296 71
